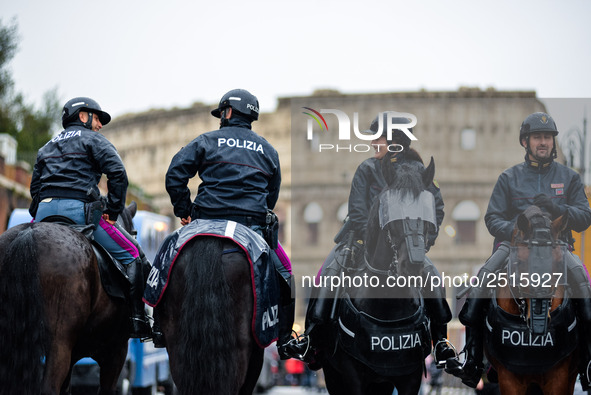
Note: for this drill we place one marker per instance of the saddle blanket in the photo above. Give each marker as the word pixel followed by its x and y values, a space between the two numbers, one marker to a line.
pixel 264 281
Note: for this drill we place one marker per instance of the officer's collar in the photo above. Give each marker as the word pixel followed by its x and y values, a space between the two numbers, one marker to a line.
pixel 537 164
pixel 238 121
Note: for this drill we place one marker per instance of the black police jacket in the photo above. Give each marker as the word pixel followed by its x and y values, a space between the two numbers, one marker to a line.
pixel 72 163
pixel 239 171
pixel 368 182
pixel 515 191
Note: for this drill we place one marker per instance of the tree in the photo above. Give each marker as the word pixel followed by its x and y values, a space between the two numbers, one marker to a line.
pixel 8 48
pixel 31 127
pixel 37 126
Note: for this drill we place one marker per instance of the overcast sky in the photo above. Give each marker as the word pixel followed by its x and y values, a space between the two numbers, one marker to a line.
pixel 133 55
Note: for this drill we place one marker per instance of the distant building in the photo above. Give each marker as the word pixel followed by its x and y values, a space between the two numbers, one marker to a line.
pixel 8 148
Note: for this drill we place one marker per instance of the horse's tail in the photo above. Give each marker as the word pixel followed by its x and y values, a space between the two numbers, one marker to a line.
pixel 22 328
pixel 207 319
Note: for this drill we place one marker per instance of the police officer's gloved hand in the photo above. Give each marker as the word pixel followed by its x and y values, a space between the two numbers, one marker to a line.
pixel 357 251
pixel 545 203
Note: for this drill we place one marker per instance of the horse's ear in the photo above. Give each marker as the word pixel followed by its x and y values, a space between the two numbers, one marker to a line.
pixel 132 207
pixel 429 174
pixel 523 223
pixel 559 225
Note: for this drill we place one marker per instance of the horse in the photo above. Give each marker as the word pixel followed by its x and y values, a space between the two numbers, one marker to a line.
pixel 206 318
pixel 381 333
pixel 54 310
pixel 531 332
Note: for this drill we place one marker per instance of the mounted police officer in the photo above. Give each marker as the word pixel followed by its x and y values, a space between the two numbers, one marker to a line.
pixel 366 185
pixel 556 189
pixel 240 179
pixel 65 183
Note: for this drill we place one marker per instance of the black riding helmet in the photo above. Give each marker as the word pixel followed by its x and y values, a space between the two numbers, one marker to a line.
pixel 77 104
pixel 241 101
pixel 398 136
pixel 538 122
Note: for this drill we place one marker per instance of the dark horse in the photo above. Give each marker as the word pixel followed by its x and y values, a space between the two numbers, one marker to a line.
pixel 382 331
pixel 206 316
pixel 531 332
pixel 54 310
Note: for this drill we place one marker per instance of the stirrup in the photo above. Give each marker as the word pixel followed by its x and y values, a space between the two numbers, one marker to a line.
pixel 585 377
pixel 442 364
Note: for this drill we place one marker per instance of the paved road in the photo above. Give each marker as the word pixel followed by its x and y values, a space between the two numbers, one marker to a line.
pixel 445 391
pixel 308 391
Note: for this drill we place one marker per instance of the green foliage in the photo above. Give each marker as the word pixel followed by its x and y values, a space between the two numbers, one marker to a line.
pixel 37 127
pixel 31 127
pixel 8 103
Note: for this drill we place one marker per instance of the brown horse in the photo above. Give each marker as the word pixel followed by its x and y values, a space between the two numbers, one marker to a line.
pixel 206 317
pixel 54 310
pixel 531 331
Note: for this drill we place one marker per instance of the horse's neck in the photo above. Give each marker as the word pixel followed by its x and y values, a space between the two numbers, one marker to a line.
pixel 509 303
pixel 386 303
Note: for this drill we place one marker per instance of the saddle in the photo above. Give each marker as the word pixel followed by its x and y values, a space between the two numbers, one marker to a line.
pixel 112 273
pixel 384 345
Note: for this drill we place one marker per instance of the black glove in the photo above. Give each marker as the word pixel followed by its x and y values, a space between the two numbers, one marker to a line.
pixel 545 203
pixel 357 252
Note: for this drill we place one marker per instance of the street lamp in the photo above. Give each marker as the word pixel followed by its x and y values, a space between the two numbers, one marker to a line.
pixel 575 139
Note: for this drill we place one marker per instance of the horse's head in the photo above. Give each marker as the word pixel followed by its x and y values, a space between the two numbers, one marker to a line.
pixel 402 219
pixel 536 251
pixel 537 265
pixel 125 219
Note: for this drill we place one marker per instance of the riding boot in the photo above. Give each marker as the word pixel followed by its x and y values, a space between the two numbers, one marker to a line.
pixel 581 290
pixel 157 334
pixel 474 309
pixel 471 371
pixel 585 354
pixel 318 319
pixel 286 316
pixel 583 312
pixel 439 313
pixel 139 321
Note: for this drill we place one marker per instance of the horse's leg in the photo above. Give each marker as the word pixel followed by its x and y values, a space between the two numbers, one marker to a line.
pixel 336 384
pixel 561 378
pixel 342 375
pixel 510 383
pixel 111 362
pixel 66 390
pixel 411 384
pixel 254 369
pixel 62 326
pixel 381 389
pixel 57 367
pixel 168 311
pixel 250 357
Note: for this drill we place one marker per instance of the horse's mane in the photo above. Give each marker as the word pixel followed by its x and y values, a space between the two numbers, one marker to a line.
pixel 406 176
pixel 535 217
